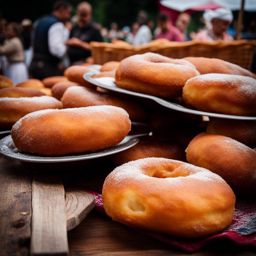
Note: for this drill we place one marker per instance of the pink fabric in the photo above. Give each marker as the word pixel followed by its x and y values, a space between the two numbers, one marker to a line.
pixel 242 231
pixel 206 37
pixel 173 34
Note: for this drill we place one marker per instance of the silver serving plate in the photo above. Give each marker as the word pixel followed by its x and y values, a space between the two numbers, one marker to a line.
pixel 8 149
pixel 4 133
pixel 109 84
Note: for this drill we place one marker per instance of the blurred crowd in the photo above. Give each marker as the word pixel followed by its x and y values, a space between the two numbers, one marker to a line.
pixel 53 42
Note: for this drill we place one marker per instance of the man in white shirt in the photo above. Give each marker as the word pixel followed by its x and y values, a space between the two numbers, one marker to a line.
pixel 49 39
pixel 143 34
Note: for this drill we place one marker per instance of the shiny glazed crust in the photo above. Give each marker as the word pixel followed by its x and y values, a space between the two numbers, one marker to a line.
pixel 232 160
pixel 12 109
pixel 168 196
pixel 78 96
pixel 221 93
pixel 70 131
pixel 154 74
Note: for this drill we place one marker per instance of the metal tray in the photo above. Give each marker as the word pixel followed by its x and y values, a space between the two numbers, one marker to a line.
pixel 109 84
pixel 8 149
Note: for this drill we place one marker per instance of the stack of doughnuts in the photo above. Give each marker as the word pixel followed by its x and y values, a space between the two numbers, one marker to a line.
pixel 154 74
pixel 221 93
pixel 77 96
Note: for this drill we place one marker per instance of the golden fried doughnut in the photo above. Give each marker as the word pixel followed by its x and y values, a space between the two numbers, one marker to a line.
pixel 12 109
pixel 16 92
pixel 70 131
pixel 50 81
pixel 31 83
pixel 213 65
pixel 77 96
pixel 221 93
pixel 46 91
pixel 5 82
pixel 232 160
pixel 59 88
pixel 111 73
pixel 241 130
pixel 75 74
pixel 154 74
pixel 109 66
pixel 150 147
pixel 168 196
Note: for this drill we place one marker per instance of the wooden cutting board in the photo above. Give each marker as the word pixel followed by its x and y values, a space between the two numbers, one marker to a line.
pixel 54 212
pixel 37 211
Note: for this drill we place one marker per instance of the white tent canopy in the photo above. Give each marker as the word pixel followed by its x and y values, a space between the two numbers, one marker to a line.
pixel 183 5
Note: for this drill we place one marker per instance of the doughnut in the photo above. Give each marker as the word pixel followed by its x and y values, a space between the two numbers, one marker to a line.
pixel 109 66
pixel 150 147
pixel 70 131
pixel 77 96
pixel 59 88
pixel 111 73
pixel 221 93
pixel 5 82
pixel 16 92
pixel 168 196
pixel 232 160
pixel 46 91
pixel 213 65
pixel 243 131
pixel 31 83
pixel 154 74
pixel 76 73
pixel 50 81
pixel 12 109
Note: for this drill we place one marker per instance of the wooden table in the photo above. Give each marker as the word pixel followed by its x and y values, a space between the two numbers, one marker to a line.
pixel 96 235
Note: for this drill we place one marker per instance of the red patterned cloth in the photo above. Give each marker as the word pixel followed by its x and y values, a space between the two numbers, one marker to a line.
pixel 242 231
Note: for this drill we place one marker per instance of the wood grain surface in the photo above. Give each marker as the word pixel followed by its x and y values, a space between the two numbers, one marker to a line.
pixel 15 209
pixel 49 229
pixel 78 204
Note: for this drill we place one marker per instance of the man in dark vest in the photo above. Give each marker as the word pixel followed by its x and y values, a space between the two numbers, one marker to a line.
pixel 49 39
pixel 84 32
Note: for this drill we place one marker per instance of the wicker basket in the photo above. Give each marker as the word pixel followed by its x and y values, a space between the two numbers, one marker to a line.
pixel 238 52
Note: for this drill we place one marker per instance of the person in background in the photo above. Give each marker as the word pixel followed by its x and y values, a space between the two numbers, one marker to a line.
pixel 217 23
pixel 13 50
pixel 182 24
pixel 134 29
pixel 26 32
pixel 114 32
pixel 143 34
pixel 48 42
pixel 166 30
pixel 82 33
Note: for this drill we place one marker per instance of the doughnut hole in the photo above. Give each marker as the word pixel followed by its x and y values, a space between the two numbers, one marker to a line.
pixel 167 171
